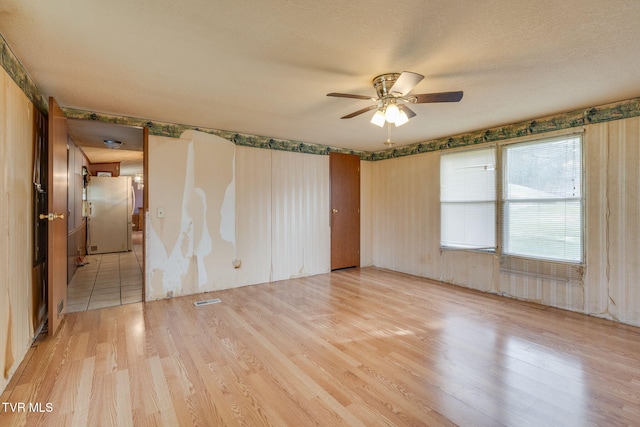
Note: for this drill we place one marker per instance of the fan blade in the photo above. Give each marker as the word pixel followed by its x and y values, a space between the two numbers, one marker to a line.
pixel 406 82
pixel 437 97
pixel 349 95
pixel 408 111
pixel 357 113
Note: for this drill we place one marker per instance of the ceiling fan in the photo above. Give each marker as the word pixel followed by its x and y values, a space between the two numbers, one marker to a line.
pixel 393 95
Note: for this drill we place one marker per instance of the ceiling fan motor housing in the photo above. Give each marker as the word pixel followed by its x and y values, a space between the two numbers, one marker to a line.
pixel 383 84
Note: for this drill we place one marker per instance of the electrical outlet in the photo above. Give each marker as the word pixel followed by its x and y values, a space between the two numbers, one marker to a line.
pixel 160 212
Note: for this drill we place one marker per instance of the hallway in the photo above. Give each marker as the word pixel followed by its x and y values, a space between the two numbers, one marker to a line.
pixel 107 280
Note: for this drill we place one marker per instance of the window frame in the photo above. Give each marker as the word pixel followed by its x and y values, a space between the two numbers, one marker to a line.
pixel 502 224
pixel 494 248
pixel 534 266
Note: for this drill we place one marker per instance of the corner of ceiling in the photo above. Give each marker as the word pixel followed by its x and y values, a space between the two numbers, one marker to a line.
pixel 20 76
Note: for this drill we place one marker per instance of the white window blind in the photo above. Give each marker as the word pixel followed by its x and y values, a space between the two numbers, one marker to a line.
pixel 468 199
pixel 542 200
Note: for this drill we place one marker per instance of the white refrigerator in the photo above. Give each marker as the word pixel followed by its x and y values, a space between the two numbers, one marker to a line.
pixel 110 206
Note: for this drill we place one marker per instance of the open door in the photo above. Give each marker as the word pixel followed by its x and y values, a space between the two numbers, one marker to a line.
pixel 57 229
pixel 344 172
pixel 145 209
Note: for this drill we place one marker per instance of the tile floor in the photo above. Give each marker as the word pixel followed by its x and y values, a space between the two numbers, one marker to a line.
pixel 107 280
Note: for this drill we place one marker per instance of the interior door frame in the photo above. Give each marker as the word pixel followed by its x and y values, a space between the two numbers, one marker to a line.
pixel 145 207
pixel 145 170
pixel 57 232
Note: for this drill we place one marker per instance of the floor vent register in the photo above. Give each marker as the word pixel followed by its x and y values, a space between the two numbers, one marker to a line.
pixel 207 302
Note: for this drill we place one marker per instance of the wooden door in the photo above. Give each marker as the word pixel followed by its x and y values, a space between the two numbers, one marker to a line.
pixel 344 172
pixel 145 207
pixel 57 228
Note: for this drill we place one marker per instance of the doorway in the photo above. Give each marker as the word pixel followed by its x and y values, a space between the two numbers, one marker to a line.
pixel 101 275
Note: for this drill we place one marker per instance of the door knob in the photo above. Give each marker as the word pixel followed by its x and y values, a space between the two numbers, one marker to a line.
pixel 51 216
pixel 334 210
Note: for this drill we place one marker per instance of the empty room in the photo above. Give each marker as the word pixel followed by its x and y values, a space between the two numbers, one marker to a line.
pixel 320 213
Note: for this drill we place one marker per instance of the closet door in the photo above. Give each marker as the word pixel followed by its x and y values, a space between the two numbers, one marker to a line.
pixel 344 170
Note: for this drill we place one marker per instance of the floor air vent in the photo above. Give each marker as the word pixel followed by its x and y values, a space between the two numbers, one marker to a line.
pixel 207 302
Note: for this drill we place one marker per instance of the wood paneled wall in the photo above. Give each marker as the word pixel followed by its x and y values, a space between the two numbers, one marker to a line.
pixel 190 244
pixel 282 215
pixel 76 224
pixel 300 233
pixel 366 214
pixel 613 220
pixel 76 247
pixel 17 302
pixel 406 224
pixel 281 224
pixel 114 168
pixel 275 221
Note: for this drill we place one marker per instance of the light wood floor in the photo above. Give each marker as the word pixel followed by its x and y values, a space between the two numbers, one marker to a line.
pixel 356 347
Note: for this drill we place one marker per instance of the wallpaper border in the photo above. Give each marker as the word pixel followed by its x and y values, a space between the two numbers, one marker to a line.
pixel 173 130
pixel 566 120
pixel 577 118
pixel 18 74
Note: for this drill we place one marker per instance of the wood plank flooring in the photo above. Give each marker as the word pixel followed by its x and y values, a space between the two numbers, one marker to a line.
pixel 360 347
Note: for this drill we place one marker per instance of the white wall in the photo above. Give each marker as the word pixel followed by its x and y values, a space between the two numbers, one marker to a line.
pixel 299 215
pixel 191 249
pixel 282 215
pixel 406 220
pixel 268 209
pixel 253 215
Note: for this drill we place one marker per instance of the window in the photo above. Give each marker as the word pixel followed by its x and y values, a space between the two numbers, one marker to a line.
pixel 468 199
pixel 542 200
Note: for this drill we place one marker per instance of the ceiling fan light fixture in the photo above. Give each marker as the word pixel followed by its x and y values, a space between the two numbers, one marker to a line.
pixel 402 118
pixel 378 118
pixel 112 143
pixel 393 92
pixel 391 113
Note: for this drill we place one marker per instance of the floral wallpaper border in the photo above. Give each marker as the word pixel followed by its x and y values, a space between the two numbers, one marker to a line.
pixel 175 130
pixel 577 118
pixel 19 74
pixel 581 117
pixel 614 111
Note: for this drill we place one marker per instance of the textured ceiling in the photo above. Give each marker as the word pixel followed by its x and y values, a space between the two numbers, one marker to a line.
pixel 264 68
pixel 90 137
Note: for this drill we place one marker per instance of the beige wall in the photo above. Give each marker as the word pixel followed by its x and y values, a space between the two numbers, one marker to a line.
pixel 270 210
pixel 191 249
pixel 280 222
pixel 406 220
pixel 76 224
pixel 366 214
pixel 267 209
pixel 16 220
pixel 612 287
pixel 282 211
